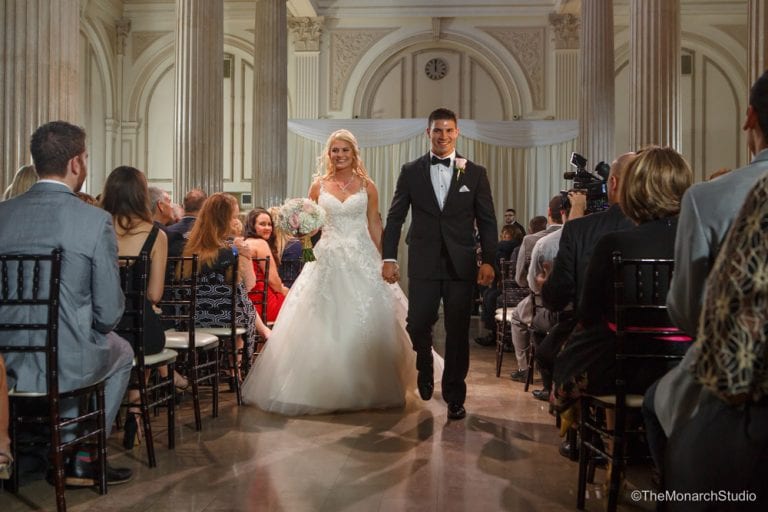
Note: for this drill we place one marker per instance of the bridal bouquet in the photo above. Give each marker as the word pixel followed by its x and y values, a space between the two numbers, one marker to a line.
pixel 301 217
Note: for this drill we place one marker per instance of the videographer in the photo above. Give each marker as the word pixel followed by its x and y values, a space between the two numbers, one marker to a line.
pixel 562 286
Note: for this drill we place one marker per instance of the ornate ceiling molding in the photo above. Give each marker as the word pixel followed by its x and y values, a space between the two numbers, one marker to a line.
pixel 306 33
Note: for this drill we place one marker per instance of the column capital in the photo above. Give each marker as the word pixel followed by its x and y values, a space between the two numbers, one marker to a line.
pixel 306 33
pixel 566 29
pixel 123 26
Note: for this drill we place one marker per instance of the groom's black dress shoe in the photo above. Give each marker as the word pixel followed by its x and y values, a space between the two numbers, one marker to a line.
pixel 456 411
pixel 426 378
pixel 426 387
pixel 82 473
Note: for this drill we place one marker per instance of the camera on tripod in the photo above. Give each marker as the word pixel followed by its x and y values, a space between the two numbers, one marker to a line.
pixel 591 184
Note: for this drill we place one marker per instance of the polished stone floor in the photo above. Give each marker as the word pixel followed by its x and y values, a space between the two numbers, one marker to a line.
pixel 503 456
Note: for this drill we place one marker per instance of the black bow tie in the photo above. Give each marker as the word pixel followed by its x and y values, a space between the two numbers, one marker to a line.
pixel 445 161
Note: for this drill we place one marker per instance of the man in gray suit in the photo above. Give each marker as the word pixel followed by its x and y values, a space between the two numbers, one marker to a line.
pixel 706 213
pixel 51 216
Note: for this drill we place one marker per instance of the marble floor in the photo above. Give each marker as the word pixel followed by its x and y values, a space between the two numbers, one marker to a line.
pixel 503 456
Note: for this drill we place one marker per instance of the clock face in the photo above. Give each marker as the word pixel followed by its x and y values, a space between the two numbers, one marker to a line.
pixel 436 68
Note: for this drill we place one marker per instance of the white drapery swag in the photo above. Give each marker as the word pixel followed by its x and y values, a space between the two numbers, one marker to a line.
pixel 525 159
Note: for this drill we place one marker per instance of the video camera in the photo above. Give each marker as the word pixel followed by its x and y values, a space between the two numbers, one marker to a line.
pixel 593 185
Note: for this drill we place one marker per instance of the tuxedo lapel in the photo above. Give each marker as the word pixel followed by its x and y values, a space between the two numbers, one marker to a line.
pixel 426 179
pixel 456 182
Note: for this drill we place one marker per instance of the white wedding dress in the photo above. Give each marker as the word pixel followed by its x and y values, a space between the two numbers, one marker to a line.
pixel 339 342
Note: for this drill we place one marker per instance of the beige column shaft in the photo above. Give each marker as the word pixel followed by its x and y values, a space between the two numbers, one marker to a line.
pixel 39 79
pixel 758 39
pixel 654 75
pixel 270 103
pixel 565 28
pixel 199 103
pixel 306 47
pixel 596 82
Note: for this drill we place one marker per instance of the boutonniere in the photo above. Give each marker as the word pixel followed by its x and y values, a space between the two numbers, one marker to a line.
pixel 461 164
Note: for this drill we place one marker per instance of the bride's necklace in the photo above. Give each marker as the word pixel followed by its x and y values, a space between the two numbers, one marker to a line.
pixel 345 186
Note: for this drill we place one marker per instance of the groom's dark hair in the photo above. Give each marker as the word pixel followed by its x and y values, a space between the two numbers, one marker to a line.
pixel 441 113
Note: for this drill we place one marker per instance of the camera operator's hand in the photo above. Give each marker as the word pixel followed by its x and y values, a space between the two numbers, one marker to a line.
pixel 578 200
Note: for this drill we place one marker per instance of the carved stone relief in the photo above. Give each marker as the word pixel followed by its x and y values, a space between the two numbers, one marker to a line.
pixel 347 47
pixel 142 40
pixel 306 33
pixel 527 46
pixel 566 30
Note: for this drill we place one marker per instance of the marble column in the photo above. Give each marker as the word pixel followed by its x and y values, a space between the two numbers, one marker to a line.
pixel 758 39
pixel 565 29
pixel 270 103
pixel 306 50
pixel 654 74
pixel 199 93
pixel 39 79
pixel 596 83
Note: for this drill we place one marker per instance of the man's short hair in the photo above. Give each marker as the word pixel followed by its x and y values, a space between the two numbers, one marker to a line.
pixel 510 210
pixel 758 99
pixel 53 145
pixel 441 113
pixel 155 196
pixel 555 208
pixel 194 200
pixel 536 224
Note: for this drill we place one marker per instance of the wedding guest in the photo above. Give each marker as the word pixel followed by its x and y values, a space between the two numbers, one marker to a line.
pixel 23 180
pixel 289 250
pixel 730 363
pixel 208 239
pixel 261 239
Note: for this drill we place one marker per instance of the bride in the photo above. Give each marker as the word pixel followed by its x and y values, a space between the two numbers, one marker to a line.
pixel 339 342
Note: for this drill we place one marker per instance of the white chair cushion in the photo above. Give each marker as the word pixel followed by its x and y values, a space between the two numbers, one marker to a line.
pixel 179 340
pixel 220 331
pixel 634 401
pixel 166 356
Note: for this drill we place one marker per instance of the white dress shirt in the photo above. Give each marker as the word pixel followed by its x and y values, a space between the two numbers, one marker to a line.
pixel 441 178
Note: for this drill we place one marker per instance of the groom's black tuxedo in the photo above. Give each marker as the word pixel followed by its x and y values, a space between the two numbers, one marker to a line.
pixel 441 257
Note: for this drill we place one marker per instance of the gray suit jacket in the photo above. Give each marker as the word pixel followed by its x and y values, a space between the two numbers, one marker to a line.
pixel 706 214
pixel 50 216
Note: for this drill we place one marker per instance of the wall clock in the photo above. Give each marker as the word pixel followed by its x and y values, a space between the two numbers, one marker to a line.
pixel 436 68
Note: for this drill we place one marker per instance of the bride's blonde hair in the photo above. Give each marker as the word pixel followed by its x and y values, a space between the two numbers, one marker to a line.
pixel 325 168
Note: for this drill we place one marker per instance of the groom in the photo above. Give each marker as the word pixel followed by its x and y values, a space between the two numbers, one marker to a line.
pixel 447 195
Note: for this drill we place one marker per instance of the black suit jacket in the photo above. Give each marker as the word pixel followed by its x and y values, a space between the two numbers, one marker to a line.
pixel 577 242
pixel 469 199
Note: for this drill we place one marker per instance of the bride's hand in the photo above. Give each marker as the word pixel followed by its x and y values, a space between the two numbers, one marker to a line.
pixel 390 271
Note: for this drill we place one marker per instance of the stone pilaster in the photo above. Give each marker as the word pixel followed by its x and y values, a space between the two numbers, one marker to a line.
pixel 199 107
pixel 565 29
pixel 596 82
pixel 654 74
pixel 306 46
pixel 270 103
pixel 39 77
pixel 758 39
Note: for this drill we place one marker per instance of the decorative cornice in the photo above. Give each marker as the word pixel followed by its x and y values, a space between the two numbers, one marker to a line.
pixel 347 47
pixel 306 33
pixel 527 46
pixel 123 28
pixel 566 30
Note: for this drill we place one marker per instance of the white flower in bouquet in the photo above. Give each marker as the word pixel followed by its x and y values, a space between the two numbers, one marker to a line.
pixel 302 217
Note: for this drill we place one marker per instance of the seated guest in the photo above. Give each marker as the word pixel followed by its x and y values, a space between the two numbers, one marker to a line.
pixel 260 238
pixel 23 180
pixel 193 201
pixel 650 194
pixel 208 239
pixel 289 249
pixel 126 197
pixel 5 439
pixel 730 362
pixel 50 216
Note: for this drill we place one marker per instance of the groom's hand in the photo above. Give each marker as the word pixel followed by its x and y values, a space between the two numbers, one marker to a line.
pixel 485 274
pixel 390 272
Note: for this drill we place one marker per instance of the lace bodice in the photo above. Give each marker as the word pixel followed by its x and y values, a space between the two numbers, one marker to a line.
pixel 345 219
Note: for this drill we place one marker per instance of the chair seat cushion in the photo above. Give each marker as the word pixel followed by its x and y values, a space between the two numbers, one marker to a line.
pixel 634 401
pixel 220 331
pixel 164 357
pixel 179 340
